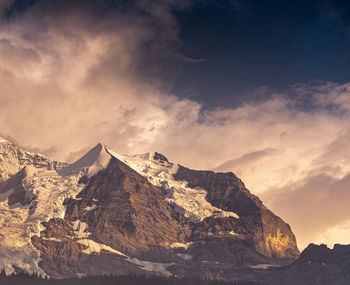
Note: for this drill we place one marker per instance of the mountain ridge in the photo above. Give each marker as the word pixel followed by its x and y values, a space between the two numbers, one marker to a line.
pixel 13 159
pixel 108 213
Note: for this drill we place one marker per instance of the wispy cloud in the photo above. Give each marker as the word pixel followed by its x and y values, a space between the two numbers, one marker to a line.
pixel 314 205
pixel 245 160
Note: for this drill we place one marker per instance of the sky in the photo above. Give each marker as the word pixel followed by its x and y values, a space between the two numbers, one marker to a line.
pixel 259 88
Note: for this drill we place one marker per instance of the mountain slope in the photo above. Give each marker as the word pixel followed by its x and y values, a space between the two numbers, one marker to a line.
pixel 13 159
pixel 271 236
pixel 113 214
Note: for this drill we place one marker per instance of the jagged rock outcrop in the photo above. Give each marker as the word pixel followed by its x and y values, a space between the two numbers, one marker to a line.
pixel 14 189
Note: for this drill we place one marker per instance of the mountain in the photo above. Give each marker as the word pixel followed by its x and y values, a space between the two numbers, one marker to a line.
pixel 114 214
pixel 317 265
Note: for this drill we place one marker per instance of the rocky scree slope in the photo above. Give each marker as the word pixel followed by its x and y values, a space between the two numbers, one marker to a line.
pixel 113 214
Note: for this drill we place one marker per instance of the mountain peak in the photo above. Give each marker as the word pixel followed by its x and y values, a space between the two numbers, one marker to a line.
pixel 95 159
pixel 158 157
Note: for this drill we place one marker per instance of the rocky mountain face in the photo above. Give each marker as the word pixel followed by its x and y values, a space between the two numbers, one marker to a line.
pixel 269 234
pixel 113 214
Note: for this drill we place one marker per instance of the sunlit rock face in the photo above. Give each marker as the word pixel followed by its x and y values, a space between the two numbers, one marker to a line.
pixel 270 235
pixel 114 214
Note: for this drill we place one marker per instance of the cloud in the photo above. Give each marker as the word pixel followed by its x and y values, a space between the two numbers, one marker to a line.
pixel 74 73
pixel 314 205
pixel 245 160
pixel 337 153
pixel 338 234
pixel 71 76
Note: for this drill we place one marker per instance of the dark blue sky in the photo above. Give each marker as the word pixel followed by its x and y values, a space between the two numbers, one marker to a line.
pixel 238 50
pixel 246 45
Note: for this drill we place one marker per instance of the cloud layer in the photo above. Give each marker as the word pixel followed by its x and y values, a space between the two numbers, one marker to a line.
pixel 70 78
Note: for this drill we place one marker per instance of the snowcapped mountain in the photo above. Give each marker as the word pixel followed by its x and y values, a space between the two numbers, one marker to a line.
pixel 13 159
pixel 114 214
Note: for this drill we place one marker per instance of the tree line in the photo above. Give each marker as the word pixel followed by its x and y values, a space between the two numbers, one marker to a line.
pixel 26 279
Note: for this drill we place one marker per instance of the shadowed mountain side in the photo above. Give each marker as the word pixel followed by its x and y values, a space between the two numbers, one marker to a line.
pixel 271 236
pixel 12 189
pixel 317 265
pixel 131 214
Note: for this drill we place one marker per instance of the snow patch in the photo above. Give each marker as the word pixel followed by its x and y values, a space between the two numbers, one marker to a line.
pixel 184 256
pixel 262 266
pixel 52 239
pixel 181 245
pixel 3 141
pixel 94 247
pixel 160 268
pixel 80 229
pixel 91 208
